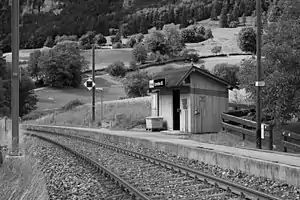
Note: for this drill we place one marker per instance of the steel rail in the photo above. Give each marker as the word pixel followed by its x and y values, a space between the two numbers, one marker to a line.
pixel 132 191
pixel 242 191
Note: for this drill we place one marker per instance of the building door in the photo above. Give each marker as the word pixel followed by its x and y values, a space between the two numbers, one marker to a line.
pixel 200 105
pixel 176 109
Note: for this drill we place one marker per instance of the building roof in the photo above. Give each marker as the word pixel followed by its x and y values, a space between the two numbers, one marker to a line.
pixel 175 77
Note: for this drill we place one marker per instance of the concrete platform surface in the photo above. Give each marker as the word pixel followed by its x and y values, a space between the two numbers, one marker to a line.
pixel 270 164
pixel 273 156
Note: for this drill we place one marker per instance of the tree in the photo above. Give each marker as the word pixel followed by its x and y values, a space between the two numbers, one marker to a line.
pixel 156 42
pixel 227 72
pixel 216 49
pixel 27 98
pixel 131 42
pixel 116 38
pixel 280 50
pixel 136 84
pixel 214 15
pixel 223 17
pixel 174 40
pixel 100 40
pixel 117 69
pixel 33 67
pixel 139 53
pixel 247 40
pixel 87 40
pixel 63 65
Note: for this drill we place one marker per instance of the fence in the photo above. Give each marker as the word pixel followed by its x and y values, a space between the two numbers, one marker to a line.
pixel 289 141
pixel 246 127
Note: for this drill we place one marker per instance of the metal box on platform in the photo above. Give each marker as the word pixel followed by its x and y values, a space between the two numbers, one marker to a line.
pixel 154 123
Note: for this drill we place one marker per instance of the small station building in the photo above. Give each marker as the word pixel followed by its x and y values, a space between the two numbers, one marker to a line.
pixel 189 99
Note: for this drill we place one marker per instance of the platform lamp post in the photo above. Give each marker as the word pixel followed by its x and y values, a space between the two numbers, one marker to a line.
pixel 258 83
pixel 15 7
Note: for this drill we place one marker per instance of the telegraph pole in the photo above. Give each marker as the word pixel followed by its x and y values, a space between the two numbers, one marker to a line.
pixel 15 76
pixel 258 83
pixel 94 88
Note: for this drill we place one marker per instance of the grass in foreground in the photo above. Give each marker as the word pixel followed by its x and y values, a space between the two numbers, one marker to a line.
pixel 21 178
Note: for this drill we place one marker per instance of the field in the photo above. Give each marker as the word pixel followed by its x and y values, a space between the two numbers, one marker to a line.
pixel 54 98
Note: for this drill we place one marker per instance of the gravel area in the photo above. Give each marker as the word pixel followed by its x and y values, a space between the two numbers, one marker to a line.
pixel 68 178
pixel 276 188
pixel 151 179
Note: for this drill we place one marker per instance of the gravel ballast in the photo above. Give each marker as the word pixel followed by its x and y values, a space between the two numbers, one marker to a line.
pixel 276 188
pixel 69 178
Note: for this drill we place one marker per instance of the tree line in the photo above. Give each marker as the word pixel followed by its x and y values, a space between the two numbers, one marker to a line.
pixel 74 18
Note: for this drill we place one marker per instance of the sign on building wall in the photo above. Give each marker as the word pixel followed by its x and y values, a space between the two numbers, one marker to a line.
pixel 157 83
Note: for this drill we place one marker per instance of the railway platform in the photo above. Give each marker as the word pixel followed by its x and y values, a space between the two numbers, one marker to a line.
pixel 270 164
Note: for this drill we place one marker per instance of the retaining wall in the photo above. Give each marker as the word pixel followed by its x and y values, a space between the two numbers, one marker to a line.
pixel 272 170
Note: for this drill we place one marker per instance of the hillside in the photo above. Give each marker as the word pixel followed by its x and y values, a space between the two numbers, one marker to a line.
pixel 43 18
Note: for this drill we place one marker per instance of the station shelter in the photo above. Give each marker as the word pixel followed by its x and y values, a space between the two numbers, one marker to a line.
pixel 189 99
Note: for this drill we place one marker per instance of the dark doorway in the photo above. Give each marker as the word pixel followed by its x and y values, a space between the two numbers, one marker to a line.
pixel 176 109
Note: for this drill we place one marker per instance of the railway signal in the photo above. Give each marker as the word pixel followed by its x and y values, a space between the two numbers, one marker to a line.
pixel 89 84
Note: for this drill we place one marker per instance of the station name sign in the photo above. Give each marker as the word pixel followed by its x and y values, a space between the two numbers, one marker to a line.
pixel 157 83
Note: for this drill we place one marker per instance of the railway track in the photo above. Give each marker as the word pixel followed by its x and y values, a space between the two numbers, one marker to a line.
pixel 147 177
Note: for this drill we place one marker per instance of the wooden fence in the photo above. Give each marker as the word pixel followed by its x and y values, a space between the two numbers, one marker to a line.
pixel 246 127
pixel 291 141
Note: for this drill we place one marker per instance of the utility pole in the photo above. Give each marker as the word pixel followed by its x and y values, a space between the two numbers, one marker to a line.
pixel 258 83
pixel 94 88
pixel 15 76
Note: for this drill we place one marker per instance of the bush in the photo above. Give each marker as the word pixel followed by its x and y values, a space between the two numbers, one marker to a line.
pixel 233 24
pixel 247 40
pixel 71 105
pixel 216 49
pixel 188 35
pixel 87 40
pixel 193 56
pixel 62 66
pixel 49 42
pixel 228 72
pixel 117 45
pixel 100 40
pixel 59 39
pixel 156 42
pixel 117 69
pixel 139 53
pixel 136 84
pixel 139 37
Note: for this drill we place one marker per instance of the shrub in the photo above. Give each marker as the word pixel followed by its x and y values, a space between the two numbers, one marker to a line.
pixel 100 40
pixel 139 53
pixel 117 69
pixel 49 42
pixel 33 67
pixel 71 105
pixel 228 72
pixel 216 49
pixel 117 45
pixel 59 39
pixel 188 35
pixel 86 40
pixel 136 84
pixel 247 40
pixel 233 24
pixel 62 66
pixel 193 56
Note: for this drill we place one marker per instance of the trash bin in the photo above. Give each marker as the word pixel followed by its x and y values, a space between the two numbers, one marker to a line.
pixel 154 123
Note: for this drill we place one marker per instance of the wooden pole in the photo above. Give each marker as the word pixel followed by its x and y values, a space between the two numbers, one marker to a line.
pixel 15 76
pixel 94 88
pixel 258 74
